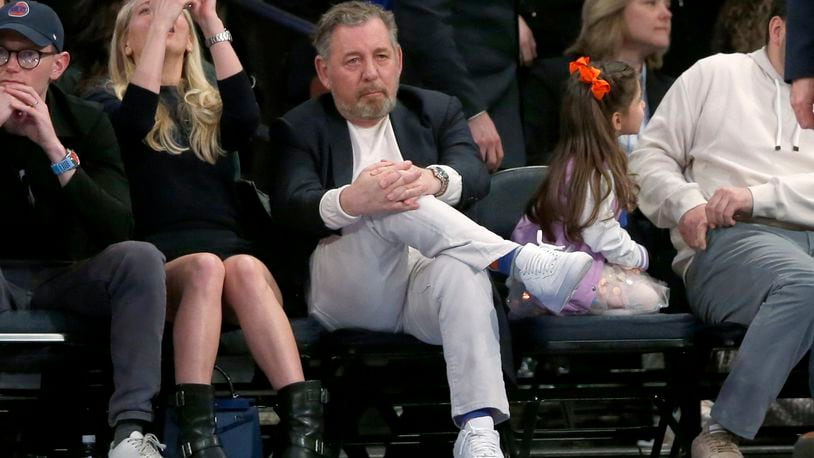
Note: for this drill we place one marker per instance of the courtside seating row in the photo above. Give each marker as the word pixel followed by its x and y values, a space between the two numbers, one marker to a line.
pixel 547 359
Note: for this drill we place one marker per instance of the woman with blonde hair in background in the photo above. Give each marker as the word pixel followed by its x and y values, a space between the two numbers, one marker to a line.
pixel 178 135
pixel 636 32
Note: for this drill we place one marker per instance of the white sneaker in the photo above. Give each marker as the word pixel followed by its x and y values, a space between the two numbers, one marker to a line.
pixel 549 274
pixel 715 444
pixel 137 446
pixel 478 439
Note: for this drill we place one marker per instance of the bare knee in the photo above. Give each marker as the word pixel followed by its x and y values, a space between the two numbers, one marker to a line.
pixel 244 270
pixel 247 276
pixel 199 271
pixel 206 267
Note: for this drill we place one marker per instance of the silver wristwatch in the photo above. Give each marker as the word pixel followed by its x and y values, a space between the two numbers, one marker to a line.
pixel 226 35
pixel 442 176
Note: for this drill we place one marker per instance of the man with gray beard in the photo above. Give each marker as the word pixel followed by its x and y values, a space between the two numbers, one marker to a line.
pixel 373 172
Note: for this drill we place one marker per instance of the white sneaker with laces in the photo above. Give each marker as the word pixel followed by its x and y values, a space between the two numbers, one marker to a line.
pixel 478 439
pixel 550 274
pixel 137 446
pixel 718 443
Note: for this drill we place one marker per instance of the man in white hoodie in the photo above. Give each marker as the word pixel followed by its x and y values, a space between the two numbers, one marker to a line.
pixel 724 165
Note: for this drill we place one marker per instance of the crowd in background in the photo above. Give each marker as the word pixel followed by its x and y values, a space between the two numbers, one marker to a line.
pixel 369 136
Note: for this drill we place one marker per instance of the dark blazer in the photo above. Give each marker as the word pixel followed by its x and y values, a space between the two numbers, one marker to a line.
pixel 799 40
pixel 313 152
pixel 542 100
pixel 469 49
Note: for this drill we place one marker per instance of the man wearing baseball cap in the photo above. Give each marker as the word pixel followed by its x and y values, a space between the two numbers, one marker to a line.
pixel 64 197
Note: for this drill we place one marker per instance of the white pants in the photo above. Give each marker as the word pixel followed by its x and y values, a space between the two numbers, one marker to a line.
pixel 421 272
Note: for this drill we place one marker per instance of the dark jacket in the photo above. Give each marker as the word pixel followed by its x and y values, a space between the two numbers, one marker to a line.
pixel 468 49
pixel 314 154
pixel 542 100
pixel 554 23
pixel 43 220
pixel 799 40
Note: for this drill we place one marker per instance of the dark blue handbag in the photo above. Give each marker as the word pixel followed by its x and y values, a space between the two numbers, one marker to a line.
pixel 238 426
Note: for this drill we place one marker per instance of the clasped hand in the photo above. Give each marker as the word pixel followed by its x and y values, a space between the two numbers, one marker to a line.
pixel 387 187
pixel 169 10
pixel 24 113
pixel 726 206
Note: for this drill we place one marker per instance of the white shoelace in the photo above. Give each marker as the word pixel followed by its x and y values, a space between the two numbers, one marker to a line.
pixel 542 244
pixel 482 444
pixel 540 265
pixel 149 445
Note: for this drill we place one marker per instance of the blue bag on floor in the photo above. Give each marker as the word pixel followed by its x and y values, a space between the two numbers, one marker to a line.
pixel 238 426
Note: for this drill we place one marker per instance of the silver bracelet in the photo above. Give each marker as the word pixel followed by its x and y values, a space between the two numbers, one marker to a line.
pixel 226 35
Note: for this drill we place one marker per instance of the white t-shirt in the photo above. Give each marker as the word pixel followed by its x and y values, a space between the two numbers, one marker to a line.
pixel 371 145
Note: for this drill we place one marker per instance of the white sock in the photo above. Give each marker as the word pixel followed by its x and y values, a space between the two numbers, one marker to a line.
pixel 481 423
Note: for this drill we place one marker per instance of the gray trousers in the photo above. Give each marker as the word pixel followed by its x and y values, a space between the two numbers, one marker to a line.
pixel 420 272
pixel 763 277
pixel 126 283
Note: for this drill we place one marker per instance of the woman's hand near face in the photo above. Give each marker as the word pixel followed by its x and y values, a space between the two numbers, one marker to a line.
pixel 205 15
pixel 165 12
pixel 162 16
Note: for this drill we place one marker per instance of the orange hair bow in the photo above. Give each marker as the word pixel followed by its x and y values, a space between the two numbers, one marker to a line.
pixel 590 75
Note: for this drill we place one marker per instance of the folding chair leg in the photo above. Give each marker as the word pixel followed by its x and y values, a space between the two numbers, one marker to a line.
pixel 529 423
pixel 675 450
pixel 689 424
pixel 507 439
pixel 661 431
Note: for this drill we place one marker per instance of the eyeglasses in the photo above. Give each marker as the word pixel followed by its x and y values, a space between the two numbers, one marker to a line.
pixel 26 58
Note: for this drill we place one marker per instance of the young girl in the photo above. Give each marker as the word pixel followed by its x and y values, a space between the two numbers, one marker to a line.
pixel 178 135
pixel 586 191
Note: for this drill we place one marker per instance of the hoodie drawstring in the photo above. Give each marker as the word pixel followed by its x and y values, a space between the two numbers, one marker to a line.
pixel 778 114
pixel 795 142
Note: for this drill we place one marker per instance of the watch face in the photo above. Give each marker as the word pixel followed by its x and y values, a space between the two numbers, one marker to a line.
pixel 440 173
pixel 443 177
pixel 72 156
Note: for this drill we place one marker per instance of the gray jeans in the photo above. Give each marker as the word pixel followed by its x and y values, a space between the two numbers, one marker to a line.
pixel 124 282
pixel 762 277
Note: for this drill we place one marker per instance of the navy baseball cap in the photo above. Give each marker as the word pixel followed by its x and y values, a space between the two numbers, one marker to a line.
pixel 35 21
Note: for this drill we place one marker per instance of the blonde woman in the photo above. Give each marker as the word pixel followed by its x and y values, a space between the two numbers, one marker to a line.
pixel 178 134
pixel 636 32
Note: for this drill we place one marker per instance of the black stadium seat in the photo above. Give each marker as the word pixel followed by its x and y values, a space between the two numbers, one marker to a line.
pixel 547 336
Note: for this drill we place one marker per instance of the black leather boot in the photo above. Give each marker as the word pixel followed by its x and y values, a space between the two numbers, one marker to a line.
pixel 195 407
pixel 301 425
